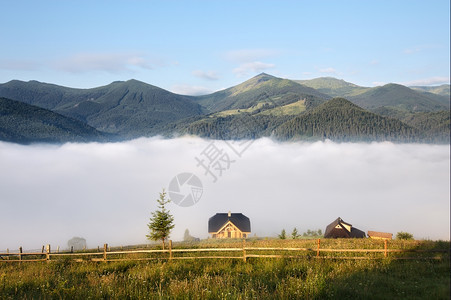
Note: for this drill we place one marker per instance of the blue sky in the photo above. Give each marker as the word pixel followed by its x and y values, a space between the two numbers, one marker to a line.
pixel 194 47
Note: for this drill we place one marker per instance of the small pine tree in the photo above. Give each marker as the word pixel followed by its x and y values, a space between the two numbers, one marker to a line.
pixel 162 222
pixel 283 235
pixel 186 236
pixel 294 233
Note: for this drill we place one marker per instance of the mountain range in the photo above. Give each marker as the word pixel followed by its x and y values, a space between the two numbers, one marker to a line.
pixel 261 106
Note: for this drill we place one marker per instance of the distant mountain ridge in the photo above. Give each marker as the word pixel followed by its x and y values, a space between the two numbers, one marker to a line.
pixel 131 108
pixel 265 104
pixel 24 123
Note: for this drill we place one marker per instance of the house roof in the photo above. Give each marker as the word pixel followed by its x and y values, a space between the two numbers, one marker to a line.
pixel 331 230
pixel 383 235
pixel 220 219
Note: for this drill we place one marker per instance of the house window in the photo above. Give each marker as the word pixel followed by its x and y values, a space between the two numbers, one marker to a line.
pixel 229 234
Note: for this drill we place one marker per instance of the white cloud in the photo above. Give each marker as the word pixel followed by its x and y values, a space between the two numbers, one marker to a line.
pixel 252 67
pixel 250 55
pixel 191 90
pixel 209 75
pixel 105 192
pixel 328 70
pixel 428 81
pixel 378 83
pixel 106 62
pixel 413 50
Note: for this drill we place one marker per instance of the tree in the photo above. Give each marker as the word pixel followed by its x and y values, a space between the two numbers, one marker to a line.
pixel 187 237
pixel 404 236
pixel 294 233
pixel 283 235
pixel 78 243
pixel 162 222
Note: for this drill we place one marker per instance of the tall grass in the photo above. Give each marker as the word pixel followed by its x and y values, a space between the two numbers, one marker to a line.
pixel 258 278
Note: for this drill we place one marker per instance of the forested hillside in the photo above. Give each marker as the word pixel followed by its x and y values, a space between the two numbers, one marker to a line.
pixel 24 123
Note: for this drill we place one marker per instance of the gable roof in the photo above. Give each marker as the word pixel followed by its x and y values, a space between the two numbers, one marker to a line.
pixel 377 234
pixel 220 219
pixel 331 231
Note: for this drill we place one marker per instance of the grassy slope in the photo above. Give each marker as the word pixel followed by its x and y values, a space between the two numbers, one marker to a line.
pixel 264 89
pixel 24 123
pixel 334 87
pixel 443 90
pixel 259 278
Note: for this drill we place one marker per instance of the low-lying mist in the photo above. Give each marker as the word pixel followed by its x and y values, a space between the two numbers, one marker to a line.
pixel 105 192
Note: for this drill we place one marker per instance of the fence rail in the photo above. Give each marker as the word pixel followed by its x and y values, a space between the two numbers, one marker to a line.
pixel 168 254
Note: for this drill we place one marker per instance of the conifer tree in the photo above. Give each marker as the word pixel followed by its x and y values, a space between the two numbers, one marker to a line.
pixel 162 222
pixel 294 233
pixel 283 235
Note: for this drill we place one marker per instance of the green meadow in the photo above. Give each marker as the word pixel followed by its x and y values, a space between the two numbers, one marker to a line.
pixel 304 277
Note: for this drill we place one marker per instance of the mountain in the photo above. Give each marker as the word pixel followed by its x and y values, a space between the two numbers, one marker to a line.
pixel 24 123
pixel 341 120
pixel 261 106
pixel 260 91
pixel 442 90
pixel 333 87
pixel 130 109
pixel 390 95
pixel 399 97
pixel 434 126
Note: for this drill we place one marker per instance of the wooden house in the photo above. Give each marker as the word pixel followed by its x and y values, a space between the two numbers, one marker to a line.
pixel 229 225
pixel 341 229
pixel 380 235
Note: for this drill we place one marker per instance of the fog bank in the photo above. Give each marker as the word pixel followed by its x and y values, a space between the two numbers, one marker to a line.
pixel 105 192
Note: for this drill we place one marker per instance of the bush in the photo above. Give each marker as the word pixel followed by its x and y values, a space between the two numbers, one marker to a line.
pixel 404 236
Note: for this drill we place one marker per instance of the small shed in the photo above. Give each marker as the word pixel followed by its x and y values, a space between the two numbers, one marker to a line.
pixel 341 229
pixel 229 225
pixel 380 235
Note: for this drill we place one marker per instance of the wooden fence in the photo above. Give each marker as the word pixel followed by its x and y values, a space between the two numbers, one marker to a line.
pixel 242 253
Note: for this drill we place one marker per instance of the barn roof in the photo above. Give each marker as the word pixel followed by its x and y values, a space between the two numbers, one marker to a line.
pixel 220 219
pixel 354 233
pixel 383 235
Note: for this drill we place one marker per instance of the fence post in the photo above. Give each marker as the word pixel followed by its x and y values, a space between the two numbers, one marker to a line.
pixel 42 249
pixel 170 249
pixel 105 248
pixel 317 251
pixel 244 250
pixel 58 249
pixel 71 249
pixel 47 255
pixel 385 248
pixel 20 253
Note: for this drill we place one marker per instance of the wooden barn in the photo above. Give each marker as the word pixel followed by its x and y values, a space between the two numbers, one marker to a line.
pixel 229 225
pixel 341 229
pixel 380 235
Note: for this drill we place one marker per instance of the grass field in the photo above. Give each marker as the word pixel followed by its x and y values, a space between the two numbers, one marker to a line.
pixel 258 278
